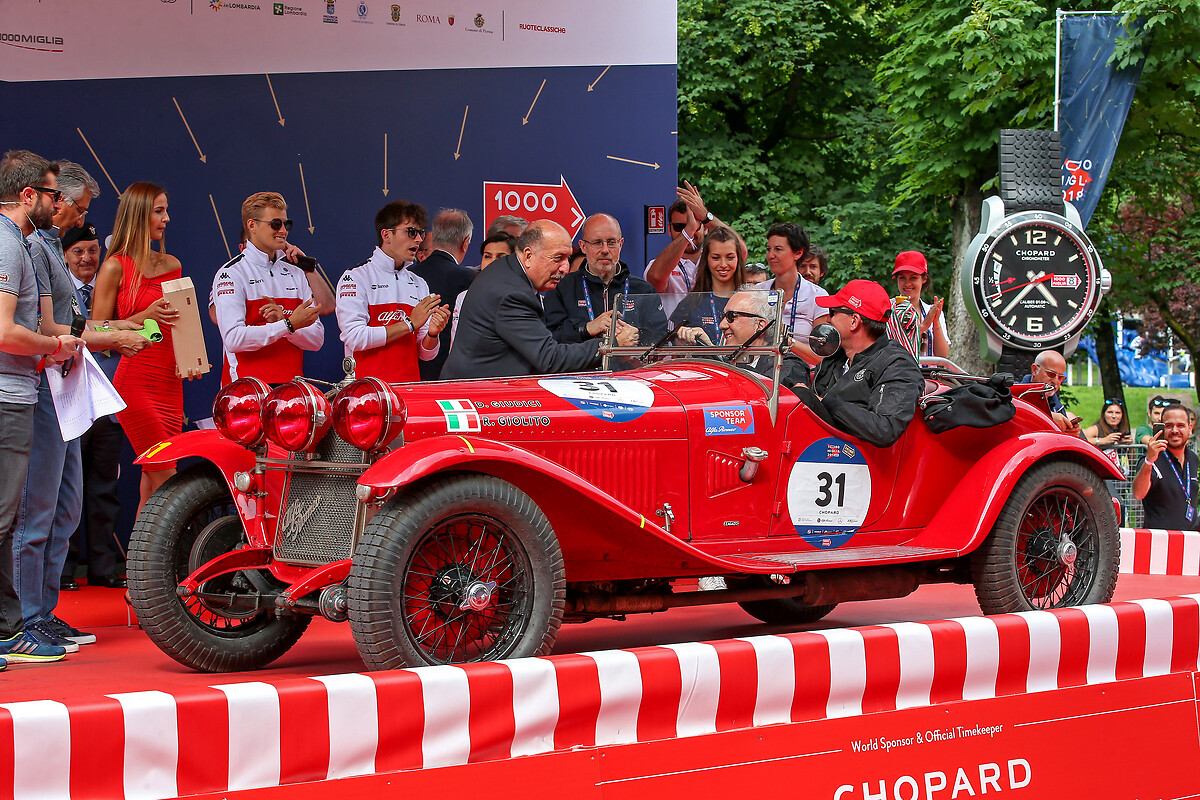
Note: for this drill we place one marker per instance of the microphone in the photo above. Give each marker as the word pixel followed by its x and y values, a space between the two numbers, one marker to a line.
pixel 77 326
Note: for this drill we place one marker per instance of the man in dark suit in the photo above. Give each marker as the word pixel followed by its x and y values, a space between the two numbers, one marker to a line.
pixel 502 328
pixel 443 271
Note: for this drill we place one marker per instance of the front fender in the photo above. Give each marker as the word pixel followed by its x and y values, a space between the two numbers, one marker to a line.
pixel 978 498
pixel 600 536
pixel 228 456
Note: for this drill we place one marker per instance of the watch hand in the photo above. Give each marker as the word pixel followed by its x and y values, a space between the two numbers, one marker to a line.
pixel 1028 288
pixel 1049 296
pixel 1018 286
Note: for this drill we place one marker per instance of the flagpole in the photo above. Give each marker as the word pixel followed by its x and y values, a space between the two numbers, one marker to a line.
pixel 1058 15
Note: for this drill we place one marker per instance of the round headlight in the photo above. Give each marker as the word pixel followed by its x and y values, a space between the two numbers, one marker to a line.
pixel 368 414
pixel 296 416
pixel 237 411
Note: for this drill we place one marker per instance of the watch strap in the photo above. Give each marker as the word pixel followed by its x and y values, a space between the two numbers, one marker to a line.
pixel 1031 171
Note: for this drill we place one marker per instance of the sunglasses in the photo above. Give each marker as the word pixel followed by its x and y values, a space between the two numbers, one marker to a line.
pixel 276 224
pixel 678 226
pixel 730 316
pixel 1113 401
pixel 412 232
pixel 1159 403
pixel 842 310
pixel 55 194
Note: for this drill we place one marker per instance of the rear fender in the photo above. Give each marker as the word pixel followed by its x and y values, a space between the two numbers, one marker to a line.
pixel 601 538
pixel 970 511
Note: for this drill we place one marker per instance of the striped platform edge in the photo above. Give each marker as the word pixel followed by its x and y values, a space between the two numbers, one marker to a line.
pixel 1158 552
pixel 234 737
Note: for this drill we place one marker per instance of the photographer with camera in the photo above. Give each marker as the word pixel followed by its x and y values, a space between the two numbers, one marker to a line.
pixel 1166 482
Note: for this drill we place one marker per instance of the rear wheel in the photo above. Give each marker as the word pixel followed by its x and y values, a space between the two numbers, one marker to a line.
pixel 187 522
pixel 780 610
pixel 466 568
pixel 1055 544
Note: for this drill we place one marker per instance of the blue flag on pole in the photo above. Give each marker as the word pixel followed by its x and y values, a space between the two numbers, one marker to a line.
pixel 1095 99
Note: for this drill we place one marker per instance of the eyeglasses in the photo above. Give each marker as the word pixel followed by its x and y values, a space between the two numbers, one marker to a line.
pixel 277 223
pixel 598 243
pixel 1055 375
pixel 730 316
pixel 842 310
pixel 411 231
pixel 55 194
pixel 678 226
pixel 82 211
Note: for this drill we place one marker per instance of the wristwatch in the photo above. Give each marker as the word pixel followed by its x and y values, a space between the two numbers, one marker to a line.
pixel 1032 279
pixel 708 218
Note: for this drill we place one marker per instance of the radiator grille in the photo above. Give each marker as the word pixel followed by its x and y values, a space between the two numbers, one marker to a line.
pixel 318 515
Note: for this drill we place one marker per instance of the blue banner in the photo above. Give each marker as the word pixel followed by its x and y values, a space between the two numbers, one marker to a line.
pixel 1094 101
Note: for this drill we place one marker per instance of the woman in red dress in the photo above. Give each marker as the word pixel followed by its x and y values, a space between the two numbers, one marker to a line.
pixel 129 287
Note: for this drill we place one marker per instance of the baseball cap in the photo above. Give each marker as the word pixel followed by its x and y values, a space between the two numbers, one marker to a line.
pixel 83 233
pixel 865 297
pixel 911 261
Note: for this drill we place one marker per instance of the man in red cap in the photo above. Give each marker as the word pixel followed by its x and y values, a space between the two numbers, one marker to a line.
pixel 912 276
pixel 869 388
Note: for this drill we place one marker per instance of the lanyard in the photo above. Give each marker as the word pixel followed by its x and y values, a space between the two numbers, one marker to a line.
pixel 1185 480
pixel 16 231
pixel 587 296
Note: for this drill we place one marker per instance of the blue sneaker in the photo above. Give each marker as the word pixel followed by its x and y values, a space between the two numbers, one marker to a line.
pixel 65 631
pixel 21 648
pixel 43 634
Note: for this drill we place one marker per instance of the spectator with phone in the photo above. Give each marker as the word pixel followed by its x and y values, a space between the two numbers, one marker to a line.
pixel 1167 479
pixel 1112 428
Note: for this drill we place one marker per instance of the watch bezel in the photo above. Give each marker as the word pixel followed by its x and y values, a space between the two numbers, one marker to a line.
pixel 983 256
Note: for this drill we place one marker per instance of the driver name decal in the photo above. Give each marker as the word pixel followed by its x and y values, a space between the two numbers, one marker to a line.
pixel 829 492
pixel 461 416
pixel 728 420
pixel 609 399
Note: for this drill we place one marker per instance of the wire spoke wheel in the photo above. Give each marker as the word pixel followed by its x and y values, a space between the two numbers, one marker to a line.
pixel 229 625
pixel 465 568
pixel 1054 544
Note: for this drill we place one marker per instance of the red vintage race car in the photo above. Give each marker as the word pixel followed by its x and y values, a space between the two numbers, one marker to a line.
pixel 462 521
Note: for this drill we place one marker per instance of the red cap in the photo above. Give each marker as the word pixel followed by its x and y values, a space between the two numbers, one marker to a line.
pixel 865 297
pixel 911 261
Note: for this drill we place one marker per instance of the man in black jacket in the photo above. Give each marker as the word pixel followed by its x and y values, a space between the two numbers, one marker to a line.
pixel 581 308
pixel 442 269
pixel 869 388
pixel 502 328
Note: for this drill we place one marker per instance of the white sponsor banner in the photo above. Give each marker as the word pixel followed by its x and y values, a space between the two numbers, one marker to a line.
pixel 65 40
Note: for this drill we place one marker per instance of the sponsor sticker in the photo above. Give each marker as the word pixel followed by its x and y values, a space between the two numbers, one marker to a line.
pixel 829 492
pixel 609 399
pixel 461 416
pixel 728 420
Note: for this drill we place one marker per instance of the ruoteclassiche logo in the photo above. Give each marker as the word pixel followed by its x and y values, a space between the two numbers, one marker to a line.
pixel 43 43
pixel 542 28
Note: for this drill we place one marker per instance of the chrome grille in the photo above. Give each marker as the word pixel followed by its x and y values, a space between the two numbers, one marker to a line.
pixel 319 512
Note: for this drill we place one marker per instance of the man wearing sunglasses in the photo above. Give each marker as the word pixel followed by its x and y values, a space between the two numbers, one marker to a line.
pixel 746 317
pixel 1050 367
pixel 264 304
pixel 869 388
pixel 389 319
pixel 672 273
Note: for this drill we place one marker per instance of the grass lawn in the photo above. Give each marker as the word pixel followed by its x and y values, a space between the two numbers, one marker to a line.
pixel 1087 401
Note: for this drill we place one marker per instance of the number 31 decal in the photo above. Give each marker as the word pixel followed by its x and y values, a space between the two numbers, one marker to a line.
pixel 829 492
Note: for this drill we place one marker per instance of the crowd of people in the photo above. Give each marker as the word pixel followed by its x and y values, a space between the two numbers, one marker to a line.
pixel 411 311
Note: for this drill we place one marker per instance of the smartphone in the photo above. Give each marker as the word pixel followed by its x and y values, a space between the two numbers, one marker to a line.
pixel 1159 428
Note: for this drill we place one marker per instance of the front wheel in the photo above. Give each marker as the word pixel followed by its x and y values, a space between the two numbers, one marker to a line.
pixel 1055 544
pixel 466 568
pixel 187 522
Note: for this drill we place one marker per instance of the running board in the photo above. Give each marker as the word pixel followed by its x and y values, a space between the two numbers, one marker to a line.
pixel 846 556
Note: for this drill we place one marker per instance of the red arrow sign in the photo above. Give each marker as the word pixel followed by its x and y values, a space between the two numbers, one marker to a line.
pixel 532 201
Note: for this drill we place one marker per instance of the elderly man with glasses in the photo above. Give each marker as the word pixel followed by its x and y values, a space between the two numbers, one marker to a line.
pixel 581 307
pixel 264 303
pixel 869 388
pixel 1050 367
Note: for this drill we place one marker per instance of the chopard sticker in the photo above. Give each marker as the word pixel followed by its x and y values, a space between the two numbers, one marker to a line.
pixel 728 420
pixel 461 416
pixel 609 399
pixel 829 492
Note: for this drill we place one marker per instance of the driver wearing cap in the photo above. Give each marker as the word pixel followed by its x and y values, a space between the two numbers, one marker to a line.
pixel 869 388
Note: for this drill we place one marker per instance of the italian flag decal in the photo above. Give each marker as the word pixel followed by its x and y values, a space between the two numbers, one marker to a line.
pixel 461 416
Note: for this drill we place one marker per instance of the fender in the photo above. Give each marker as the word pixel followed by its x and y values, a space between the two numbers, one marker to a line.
pixel 228 456
pixel 982 492
pixel 647 542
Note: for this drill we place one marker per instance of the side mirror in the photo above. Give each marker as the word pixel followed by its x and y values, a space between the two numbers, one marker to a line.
pixel 824 340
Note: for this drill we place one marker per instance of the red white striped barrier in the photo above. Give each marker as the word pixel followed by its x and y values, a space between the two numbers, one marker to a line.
pixel 227 738
pixel 1158 552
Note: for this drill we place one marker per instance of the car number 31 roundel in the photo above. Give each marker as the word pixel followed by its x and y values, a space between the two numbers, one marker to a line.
pixel 609 399
pixel 829 492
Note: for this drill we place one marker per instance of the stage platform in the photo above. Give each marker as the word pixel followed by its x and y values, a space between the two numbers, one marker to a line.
pixel 876 700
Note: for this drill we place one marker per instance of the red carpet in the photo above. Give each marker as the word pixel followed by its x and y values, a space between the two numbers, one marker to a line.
pixel 124 660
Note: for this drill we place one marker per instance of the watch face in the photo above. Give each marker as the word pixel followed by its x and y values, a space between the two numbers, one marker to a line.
pixel 1036 281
